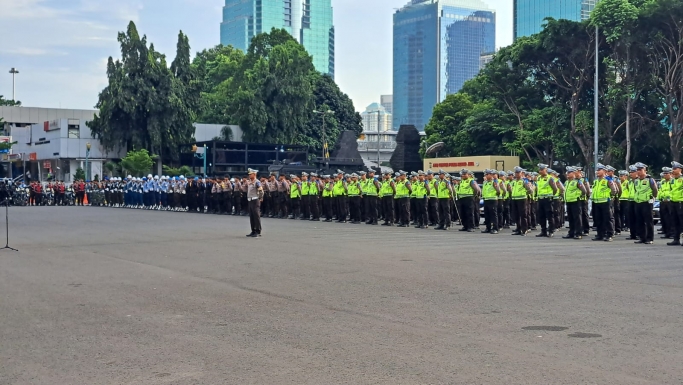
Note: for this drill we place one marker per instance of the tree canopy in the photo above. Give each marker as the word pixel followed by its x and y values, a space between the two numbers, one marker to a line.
pixel 535 98
pixel 147 104
pixel 271 92
pixel 8 103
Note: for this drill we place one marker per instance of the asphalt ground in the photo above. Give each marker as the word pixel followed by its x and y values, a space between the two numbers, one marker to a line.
pixel 117 296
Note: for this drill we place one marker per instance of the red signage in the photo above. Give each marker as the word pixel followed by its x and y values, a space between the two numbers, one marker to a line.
pixel 47 164
pixel 454 164
pixel 46 126
pixel 33 156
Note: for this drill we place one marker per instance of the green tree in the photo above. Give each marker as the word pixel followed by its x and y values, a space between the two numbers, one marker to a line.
pixel 173 171
pixel 9 103
pixel 447 121
pixel 616 18
pixel 664 22
pixel 80 174
pixel 274 97
pixel 215 69
pixel 137 163
pixel 328 97
pixel 147 104
pixel 562 56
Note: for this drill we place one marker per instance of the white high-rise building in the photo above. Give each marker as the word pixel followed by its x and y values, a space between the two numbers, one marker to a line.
pixel 374 116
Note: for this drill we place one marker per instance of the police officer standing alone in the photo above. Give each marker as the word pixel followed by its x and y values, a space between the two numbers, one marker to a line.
pixel 254 198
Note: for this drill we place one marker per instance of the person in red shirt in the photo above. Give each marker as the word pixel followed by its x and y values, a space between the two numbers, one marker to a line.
pixel 38 188
pixel 59 193
pixel 80 192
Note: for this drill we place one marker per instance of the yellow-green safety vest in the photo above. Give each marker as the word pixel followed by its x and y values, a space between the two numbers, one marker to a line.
pixel 664 193
pixel 643 190
pixel 601 191
pixel 465 188
pixel 294 191
pixel 488 192
pixel 386 190
pixel 326 192
pixel 677 189
pixel 543 189
pixel 572 192
pixel 518 190
pixel 402 190
pixel 353 189
pixel 625 192
pixel 443 191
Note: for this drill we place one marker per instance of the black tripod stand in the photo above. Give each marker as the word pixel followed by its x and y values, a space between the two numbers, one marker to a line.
pixel 6 203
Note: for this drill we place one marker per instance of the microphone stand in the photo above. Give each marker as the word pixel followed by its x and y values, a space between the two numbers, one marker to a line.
pixel 7 246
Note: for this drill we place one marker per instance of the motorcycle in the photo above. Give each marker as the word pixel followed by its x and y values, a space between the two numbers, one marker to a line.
pixel 20 196
pixel 48 197
pixel 69 197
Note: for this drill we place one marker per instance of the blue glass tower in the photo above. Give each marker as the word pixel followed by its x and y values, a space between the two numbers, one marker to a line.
pixel 437 48
pixel 310 22
pixel 529 14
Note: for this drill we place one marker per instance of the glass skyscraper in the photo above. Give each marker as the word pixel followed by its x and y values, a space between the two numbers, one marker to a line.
pixel 437 47
pixel 529 14
pixel 308 21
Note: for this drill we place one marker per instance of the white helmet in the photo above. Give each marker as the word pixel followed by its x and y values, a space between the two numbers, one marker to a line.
pixel 182 177
pixel 149 176
pixel 129 176
pixel 156 177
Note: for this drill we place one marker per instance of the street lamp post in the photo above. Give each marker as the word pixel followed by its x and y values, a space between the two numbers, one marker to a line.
pixel 13 71
pixel 326 151
pixel 378 139
pixel 87 158
pixel 596 101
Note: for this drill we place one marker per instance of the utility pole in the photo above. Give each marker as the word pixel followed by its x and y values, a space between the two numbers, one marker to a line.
pixel 13 71
pixel 378 139
pixel 596 101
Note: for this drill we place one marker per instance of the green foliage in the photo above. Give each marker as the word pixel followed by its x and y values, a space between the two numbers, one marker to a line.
pixel 6 145
pixel 80 174
pixel 96 178
pixel 183 170
pixel 137 163
pixel 536 97
pixel 113 168
pixel 615 18
pixel 147 104
pixel 271 91
pixel 8 103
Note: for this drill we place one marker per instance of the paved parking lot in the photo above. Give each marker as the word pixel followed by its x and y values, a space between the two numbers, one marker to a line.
pixel 116 296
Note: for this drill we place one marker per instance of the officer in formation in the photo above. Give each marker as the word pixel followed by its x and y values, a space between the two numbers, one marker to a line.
pixel 621 201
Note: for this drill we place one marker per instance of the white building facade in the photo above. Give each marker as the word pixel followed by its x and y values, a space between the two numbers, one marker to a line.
pixel 59 147
pixel 376 118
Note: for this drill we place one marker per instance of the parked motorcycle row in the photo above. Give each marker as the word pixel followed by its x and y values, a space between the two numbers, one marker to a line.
pixel 19 194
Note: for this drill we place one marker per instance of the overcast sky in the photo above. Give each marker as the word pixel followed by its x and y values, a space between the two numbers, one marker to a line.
pixel 60 47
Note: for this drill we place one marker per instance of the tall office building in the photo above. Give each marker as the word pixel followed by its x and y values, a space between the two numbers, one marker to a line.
pixel 529 15
pixel 308 21
pixel 387 101
pixel 437 47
